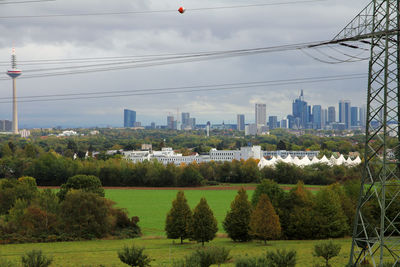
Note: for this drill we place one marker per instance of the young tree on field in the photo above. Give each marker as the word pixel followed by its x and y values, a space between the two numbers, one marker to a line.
pixel 264 222
pixel 237 220
pixel 204 225
pixel 326 250
pixel 177 224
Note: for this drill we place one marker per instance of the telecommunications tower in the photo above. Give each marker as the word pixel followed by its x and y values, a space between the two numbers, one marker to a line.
pixel 14 73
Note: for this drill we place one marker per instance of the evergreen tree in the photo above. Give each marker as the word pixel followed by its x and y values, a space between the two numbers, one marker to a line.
pixel 272 190
pixel 237 220
pixel 281 145
pixel 330 219
pixel 297 212
pixel 178 218
pixel 264 222
pixel 204 225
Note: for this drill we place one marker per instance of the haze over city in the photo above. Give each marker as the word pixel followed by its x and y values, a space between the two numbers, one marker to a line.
pixel 194 31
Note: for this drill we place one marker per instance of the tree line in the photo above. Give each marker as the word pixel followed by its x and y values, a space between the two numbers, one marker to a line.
pixel 53 169
pixel 274 214
pixel 78 211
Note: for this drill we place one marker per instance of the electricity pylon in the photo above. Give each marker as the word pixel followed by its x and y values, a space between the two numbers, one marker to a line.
pixel 376 234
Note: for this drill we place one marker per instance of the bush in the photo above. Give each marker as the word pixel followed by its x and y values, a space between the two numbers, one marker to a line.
pixel 35 258
pixel 326 250
pixel 252 262
pixel 281 258
pixel 205 257
pixel 6 263
pixel 134 256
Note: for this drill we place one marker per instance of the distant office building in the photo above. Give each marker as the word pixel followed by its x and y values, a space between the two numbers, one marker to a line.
pixel 240 122
pixel 324 118
pixel 25 133
pixel 137 124
pixel 171 123
pixel 331 115
pixel 153 125
pixel 273 122
pixel 354 116
pixel 317 116
pixel 192 123
pixel 261 114
pixel 300 114
pixel 185 119
pixel 5 126
pixel 345 112
pixel 250 129
pixel 284 124
pixel 363 116
pixel 129 118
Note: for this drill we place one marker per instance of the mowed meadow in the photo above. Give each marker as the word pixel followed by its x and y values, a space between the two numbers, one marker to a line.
pixel 151 206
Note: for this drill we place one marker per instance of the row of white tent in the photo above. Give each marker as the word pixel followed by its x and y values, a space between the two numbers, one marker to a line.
pixel 305 161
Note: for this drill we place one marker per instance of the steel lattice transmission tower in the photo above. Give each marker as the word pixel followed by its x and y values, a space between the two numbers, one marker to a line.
pixel 376 236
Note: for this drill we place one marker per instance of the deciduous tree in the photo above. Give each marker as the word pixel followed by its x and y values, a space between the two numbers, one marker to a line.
pixel 264 222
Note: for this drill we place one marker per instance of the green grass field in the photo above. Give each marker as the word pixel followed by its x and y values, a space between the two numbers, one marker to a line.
pixel 152 205
pixel 94 253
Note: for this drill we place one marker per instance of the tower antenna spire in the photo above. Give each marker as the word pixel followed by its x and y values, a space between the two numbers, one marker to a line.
pixel 14 73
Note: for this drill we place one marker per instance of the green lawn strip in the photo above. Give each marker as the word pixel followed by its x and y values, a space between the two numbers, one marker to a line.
pixel 152 205
pixel 104 252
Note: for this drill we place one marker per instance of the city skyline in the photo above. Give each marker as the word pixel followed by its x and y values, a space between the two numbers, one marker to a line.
pixel 316 117
pixel 148 34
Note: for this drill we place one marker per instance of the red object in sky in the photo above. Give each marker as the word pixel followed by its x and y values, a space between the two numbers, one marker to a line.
pixel 181 10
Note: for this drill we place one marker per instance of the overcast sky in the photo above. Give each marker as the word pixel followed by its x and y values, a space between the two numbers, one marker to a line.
pixel 171 32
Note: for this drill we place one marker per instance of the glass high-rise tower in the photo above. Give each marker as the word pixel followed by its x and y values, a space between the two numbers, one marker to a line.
pixel 129 118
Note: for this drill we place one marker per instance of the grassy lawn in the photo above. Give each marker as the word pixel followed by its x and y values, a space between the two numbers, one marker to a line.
pixel 152 205
pixel 94 253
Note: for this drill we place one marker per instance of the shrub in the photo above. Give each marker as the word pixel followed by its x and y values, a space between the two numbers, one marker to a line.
pixel 134 256
pixel 252 262
pixel 281 258
pixel 326 250
pixel 35 258
pixel 205 257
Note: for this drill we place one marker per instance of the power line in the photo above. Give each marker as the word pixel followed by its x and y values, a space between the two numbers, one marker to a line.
pixel 184 89
pixel 24 2
pixel 162 60
pixel 154 11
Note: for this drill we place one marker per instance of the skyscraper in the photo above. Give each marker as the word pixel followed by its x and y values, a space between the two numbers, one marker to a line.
pixel 185 119
pixel 345 112
pixel 129 118
pixel 171 122
pixel 240 122
pixel 261 114
pixel 354 116
pixel 324 118
pixel 331 115
pixel 363 116
pixel 299 112
pixel 273 122
pixel 317 116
